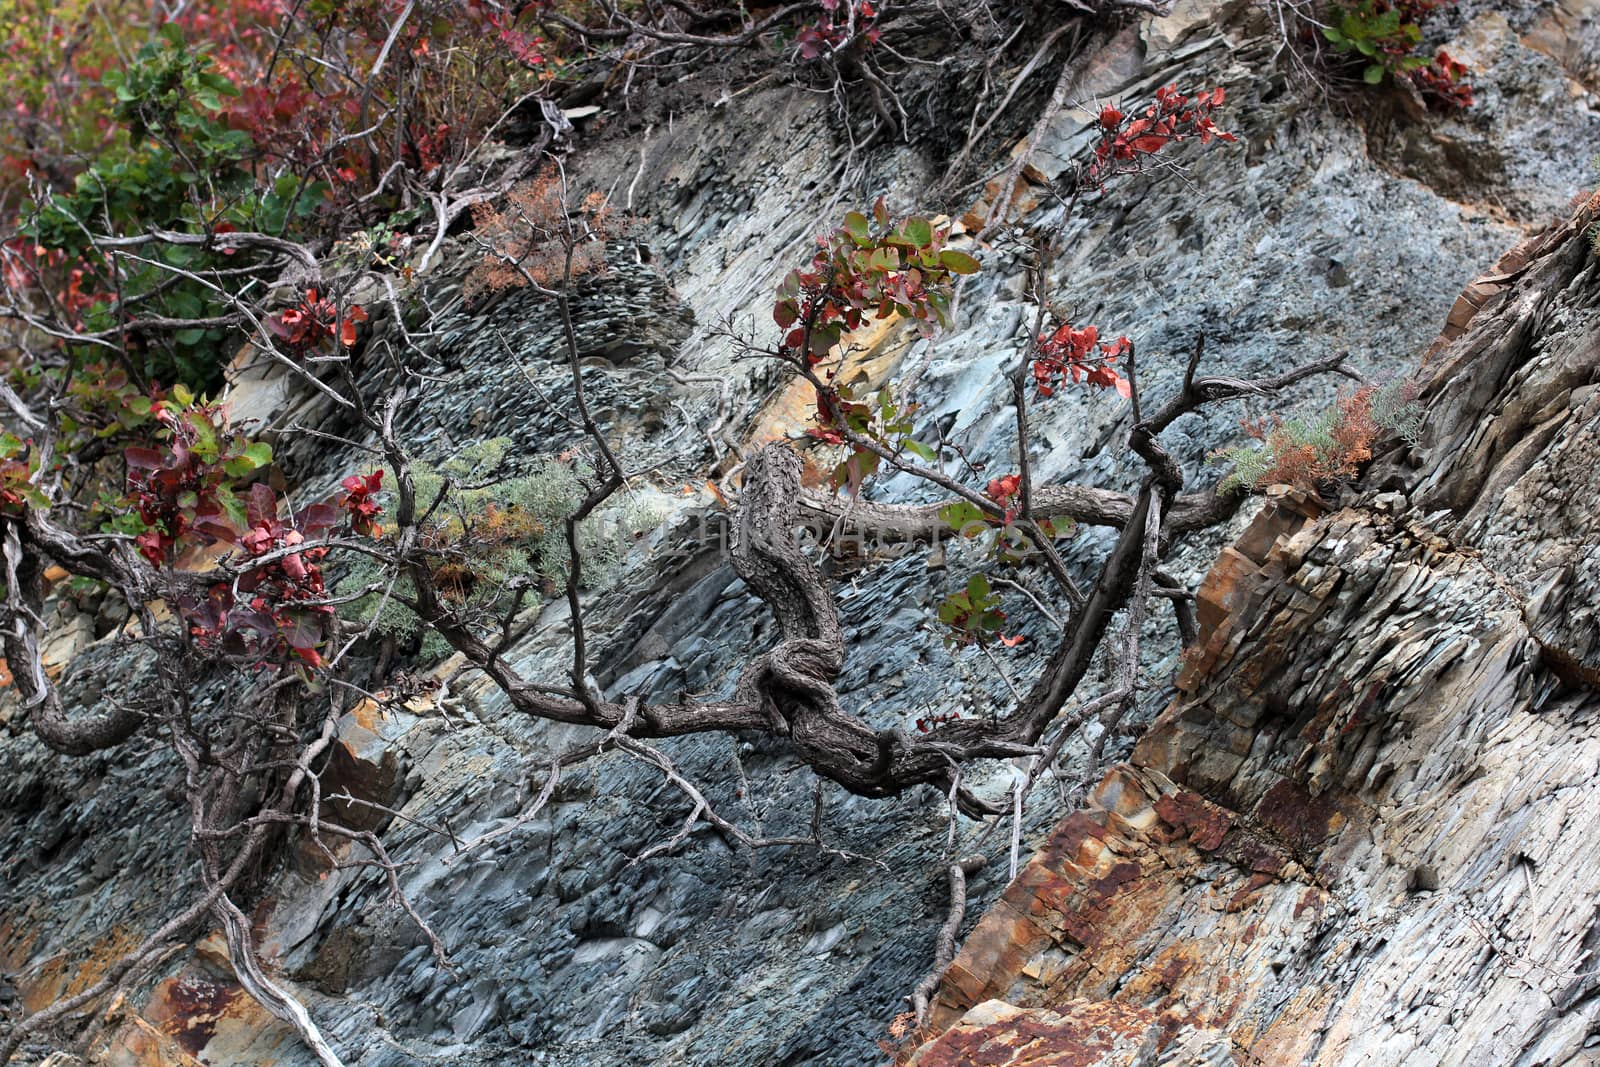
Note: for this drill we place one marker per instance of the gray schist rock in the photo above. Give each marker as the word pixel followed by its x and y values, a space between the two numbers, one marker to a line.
pixel 1323 230
pixel 1363 831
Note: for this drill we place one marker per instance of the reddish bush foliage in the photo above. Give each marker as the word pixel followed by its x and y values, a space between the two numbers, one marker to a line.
pixel 18 461
pixel 832 30
pixel 1081 356
pixel 360 504
pixel 315 320
pixel 1125 143
pixel 1441 82
pixel 184 494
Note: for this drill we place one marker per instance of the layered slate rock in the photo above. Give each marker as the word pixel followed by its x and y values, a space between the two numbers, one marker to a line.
pixel 1316 233
pixel 1363 831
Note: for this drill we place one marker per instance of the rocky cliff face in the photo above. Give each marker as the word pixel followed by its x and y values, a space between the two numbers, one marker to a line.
pixel 1357 832
pixel 1361 831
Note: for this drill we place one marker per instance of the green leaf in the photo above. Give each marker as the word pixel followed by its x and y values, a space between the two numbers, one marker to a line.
pixel 190 337
pixel 856 225
pixel 977 588
pixel 217 83
pixel 961 516
pixel 232 507
pixel 1373 74
pixel 917 231
pixel 258 453
pixel 186 305
pixel 958 262
pixel 182 394
pixel 920 450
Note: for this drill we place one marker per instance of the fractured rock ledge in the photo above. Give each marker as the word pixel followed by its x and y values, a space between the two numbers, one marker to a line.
pixel 1362 833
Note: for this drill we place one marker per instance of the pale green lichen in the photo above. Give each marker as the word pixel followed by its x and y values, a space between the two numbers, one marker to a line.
pixel 495 535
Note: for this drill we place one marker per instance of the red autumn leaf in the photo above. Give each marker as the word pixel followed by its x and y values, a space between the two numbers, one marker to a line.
pixel 261 505
pixel 1000 489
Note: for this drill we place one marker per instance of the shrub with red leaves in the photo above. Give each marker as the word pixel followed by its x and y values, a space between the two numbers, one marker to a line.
pixel 182 489
pixel 1081 356
pixel 315 320
pixel 1441 83
pixel 831 31
pixel 183 493
pixel 1001 490
pixel 1125 143
pixel 359 504
pixel 18 462
pixel 272 612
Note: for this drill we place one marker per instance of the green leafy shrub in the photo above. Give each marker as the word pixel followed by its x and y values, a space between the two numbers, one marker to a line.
pixel 180 168
pixel 1384 36
pixel 1381 34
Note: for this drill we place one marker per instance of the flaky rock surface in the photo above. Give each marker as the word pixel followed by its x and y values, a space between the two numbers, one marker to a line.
pixel 1363 830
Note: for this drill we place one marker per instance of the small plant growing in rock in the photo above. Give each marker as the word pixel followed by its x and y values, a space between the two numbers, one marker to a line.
pixel 522 244
pixel 1590 198
pixel 1383 36
pixel 1314 454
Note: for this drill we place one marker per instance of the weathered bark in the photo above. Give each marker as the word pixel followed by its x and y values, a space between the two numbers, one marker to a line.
pixel 71 735
pixel 1359 834
pixel 888 524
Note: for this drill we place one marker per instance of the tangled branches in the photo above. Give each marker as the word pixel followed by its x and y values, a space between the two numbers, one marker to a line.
pixel 239 571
